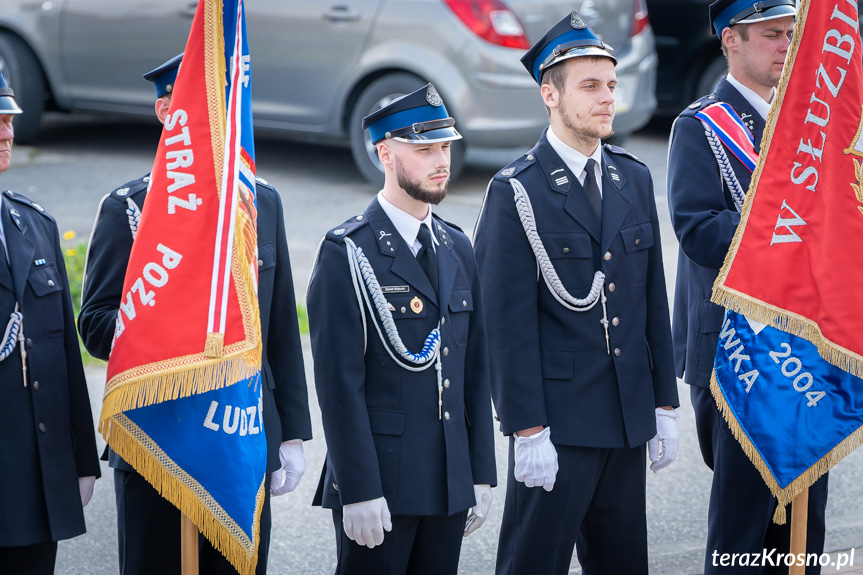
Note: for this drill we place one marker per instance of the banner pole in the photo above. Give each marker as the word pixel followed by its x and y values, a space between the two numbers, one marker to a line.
pixel 799 516
pixel 189 546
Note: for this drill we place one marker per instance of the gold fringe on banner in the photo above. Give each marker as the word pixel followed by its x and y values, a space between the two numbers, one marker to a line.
pixel 214 346
pixel 805 480
pixel 185 493
pixel 752 307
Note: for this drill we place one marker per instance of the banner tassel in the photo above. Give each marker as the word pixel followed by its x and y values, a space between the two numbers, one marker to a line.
pixel 215 345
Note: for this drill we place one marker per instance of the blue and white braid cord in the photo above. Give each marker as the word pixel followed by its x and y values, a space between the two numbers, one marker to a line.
pixel 13 334
pixel 737 192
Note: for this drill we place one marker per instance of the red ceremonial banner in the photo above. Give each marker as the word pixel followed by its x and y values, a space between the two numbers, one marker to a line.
pixel 793 263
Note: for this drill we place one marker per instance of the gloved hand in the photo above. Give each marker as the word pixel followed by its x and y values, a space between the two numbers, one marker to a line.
pixel 477 514
pixel 293 466
pixel 366 521
pixel 662 449
pixel 85 487
pixel 536 460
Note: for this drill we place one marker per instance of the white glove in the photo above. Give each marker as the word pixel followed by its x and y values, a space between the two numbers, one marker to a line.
pixel 366 521
pixel 477 514
pixel 85 487
pixel 293 466
pixel 662 449
pixel 536 460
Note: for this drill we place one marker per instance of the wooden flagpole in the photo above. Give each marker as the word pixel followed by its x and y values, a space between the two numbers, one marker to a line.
pixel 799 516
pixel 189 546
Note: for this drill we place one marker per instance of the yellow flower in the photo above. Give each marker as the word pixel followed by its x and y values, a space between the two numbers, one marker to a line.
pixel 71 252
pixel 69 235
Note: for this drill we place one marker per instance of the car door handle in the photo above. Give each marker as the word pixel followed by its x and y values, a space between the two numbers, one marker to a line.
pixel 341 14
pixel 189 10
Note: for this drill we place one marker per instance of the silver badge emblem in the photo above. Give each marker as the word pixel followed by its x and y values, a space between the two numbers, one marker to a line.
pixel 507 172
pixel 339 232
pixel 432 97
pixel 576 22
pixel 122 191
pixel 37 206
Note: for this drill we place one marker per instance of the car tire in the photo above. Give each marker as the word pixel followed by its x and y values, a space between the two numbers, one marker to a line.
pixel 708 79
pixel 377 94
pixel 24 75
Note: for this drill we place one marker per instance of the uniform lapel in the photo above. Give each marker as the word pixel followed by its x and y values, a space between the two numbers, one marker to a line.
pixel 391 244
pixel 615 201
pixel 447 264
pixel 20 249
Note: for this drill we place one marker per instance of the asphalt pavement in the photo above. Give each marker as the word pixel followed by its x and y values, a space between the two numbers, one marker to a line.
pixel 80 160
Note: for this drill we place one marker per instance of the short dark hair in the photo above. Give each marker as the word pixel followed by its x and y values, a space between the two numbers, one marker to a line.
pixel 556 75
pixel 742 31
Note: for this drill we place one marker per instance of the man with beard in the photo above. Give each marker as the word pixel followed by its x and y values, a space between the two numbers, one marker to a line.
pixel 401 366
pixel 567 245
pixel 148 534
pixel 706 188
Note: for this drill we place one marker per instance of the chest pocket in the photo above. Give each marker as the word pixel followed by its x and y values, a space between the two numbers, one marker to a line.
pixel 47 287
pixel 572 257
pixel 266 256
pixel 636 241
pixel 460 306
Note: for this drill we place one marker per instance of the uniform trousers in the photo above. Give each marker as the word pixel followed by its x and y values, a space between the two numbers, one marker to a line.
pixel 740 517
pixel 417 545
pixel 35 559
pixel 597 506
pixel 148 532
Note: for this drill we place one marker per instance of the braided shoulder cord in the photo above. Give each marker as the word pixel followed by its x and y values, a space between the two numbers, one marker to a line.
pixel 134 214
pixel 11 337
pixel 549 274
pixel 361 268
pixel 737 193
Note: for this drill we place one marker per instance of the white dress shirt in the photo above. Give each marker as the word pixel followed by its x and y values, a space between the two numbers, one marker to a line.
pixel 761 106
pixel 575 160
pixel 406 225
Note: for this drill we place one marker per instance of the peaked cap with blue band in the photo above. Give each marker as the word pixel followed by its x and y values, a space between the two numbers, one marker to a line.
pixel 7 98
pixel 418 117
pixel 725 13
pixel 570 38
pixel 164 76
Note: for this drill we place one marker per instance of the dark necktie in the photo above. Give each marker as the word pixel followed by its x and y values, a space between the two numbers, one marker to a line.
pixel 592 189
pixel 426 255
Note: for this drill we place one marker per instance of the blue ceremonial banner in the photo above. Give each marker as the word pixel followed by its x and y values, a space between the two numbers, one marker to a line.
pixel 790 354
pixel 183 398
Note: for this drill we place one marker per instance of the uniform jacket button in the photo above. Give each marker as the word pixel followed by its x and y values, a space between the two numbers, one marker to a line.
pixel 607 256
pixel 29 342
pixel 442 320
pixel 336 487
pixel 566 250
pixel 404 309
pixel 637 241
pixel 50 283
pixel 446 351
pixel 446 383
pixel 615 321
pixel 617 352
pixel 446 415
pixel 36 386
pixel 260 263
pixel 611 287
pixel 464 303
pixel 42 427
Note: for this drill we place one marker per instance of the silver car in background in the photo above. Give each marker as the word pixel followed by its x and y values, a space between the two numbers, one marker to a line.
pixel 319 66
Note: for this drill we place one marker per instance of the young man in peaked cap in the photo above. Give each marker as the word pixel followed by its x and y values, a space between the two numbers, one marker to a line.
pixel 401 366
pixel 705 211
pixel 568 250
pixel 148 535
pixel 47 440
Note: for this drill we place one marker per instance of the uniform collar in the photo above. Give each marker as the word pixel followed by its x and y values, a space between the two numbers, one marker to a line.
pixel 574 159
pixel 406 225
pixel 754 99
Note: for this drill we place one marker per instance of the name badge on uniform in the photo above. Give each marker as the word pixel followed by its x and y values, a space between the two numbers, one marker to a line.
pixel 395 289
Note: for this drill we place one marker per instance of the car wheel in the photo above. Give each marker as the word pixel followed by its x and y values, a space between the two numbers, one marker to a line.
pixel 374 97
pixel 24 75
pixel 710 77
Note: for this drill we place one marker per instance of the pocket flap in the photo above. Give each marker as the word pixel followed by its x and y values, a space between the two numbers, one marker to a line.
pixel 386 422
pixel 266 256
pixel 461 300
pixel 637 237
pixel 567 245
pixel 45 280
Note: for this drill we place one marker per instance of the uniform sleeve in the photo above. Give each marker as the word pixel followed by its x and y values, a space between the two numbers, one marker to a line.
pixel 285 349
pixel 478 392
pixel 107 259
pixel 80 414
pixel 700 212
pixel 508 279
pixel 335 323
pixel 659 319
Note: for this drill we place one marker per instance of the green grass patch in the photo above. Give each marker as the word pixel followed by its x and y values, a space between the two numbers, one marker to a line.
pixel 304 319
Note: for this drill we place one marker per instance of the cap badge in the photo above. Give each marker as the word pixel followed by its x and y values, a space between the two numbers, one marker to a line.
pixel 432 97
pixel 576 22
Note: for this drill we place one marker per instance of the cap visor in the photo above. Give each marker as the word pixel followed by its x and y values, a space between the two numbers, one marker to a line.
pixel 770 14
pixel 8 106
pixel 579 52
pixel 431 137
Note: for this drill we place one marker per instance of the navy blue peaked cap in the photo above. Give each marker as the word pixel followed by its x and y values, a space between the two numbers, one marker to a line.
pixel 725 13
pixel 570 38
pixel 418 117
pixel 164 76
pixel 7 98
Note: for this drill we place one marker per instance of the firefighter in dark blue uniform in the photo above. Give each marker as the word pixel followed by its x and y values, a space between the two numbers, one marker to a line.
pixel 147 536
pixel 704 213
pixel 568 250
pixel 401 366
pixel 47 440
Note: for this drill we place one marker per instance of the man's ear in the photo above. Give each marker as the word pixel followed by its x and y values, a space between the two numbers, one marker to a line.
pixel 730 39
pixel 385 153
pixel 162 105
pixel 550 95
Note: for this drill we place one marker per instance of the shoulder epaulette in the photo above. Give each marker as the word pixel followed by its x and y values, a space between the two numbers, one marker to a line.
pixel 516 167
pixel 131 188
pixel 25 201
pixel 338 233
pixel 698 104
pixel 618 150
pixel 450 224
pixel 262 182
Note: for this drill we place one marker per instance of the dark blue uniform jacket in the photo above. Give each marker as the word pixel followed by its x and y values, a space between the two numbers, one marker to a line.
pixel 704 219
pixel 550 366
pixel 285 396
pixel 47 436
pixel 381 422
